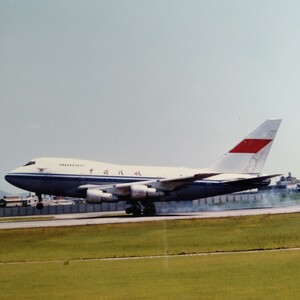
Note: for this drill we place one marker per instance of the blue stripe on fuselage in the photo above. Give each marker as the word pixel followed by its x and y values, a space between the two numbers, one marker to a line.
pixel 99 179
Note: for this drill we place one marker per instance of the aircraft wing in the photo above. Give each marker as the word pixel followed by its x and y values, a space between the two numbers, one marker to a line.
pixel 164 184
pixel 169 184
pixel 191 178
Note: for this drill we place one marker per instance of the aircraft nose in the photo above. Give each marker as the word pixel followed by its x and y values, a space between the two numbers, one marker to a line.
pixel 14 177
pixel 9 178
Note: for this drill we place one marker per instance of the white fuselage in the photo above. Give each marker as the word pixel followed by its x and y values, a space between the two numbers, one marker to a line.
pixel 63 177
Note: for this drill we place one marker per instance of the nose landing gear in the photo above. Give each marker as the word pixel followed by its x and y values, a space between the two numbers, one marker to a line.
pixel 40 205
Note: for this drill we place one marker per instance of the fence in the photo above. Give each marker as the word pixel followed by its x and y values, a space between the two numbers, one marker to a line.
pixel 232 201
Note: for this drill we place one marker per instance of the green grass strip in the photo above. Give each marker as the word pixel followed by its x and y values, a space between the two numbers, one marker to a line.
pixel 271 275
pixel 151 238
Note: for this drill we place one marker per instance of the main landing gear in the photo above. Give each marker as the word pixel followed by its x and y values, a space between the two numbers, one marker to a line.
pixel 40 205
pixel 136 210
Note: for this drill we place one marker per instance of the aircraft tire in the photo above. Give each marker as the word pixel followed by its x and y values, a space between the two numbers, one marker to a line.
pixel 136 212
pixel 40 205
pixel 128 210
pixel 149 211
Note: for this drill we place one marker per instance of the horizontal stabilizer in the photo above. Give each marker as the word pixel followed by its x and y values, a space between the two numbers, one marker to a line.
pixel 259 181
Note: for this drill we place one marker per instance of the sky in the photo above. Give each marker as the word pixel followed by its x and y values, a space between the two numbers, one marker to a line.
pixel 165 83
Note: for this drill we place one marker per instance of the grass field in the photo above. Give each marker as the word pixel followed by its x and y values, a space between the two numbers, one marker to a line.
pixel 43 263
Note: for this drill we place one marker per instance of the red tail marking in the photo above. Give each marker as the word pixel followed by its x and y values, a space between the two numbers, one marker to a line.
pixel 250 146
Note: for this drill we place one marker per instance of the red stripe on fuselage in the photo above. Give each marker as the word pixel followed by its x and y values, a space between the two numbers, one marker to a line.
pixel 250 146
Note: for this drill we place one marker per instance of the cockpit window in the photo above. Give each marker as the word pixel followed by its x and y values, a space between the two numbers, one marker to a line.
pixel 30 163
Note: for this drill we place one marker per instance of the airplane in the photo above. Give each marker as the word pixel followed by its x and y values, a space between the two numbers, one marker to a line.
pixel 141 186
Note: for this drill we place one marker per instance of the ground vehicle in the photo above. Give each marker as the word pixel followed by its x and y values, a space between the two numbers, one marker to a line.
pixel 11 200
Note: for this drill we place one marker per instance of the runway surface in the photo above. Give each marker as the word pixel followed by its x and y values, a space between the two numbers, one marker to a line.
pixel 121 217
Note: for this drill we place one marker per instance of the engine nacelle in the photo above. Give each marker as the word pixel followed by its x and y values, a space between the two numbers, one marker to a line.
pixel 140 191
pixel 94 196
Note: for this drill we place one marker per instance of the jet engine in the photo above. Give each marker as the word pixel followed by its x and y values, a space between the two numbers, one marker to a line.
pixel 94 196
pixel 140 191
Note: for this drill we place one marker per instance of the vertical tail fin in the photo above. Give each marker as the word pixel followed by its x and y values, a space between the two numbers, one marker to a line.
pixel 250 154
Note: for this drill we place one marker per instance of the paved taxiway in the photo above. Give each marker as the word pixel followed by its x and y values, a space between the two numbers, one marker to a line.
pixel 120 217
